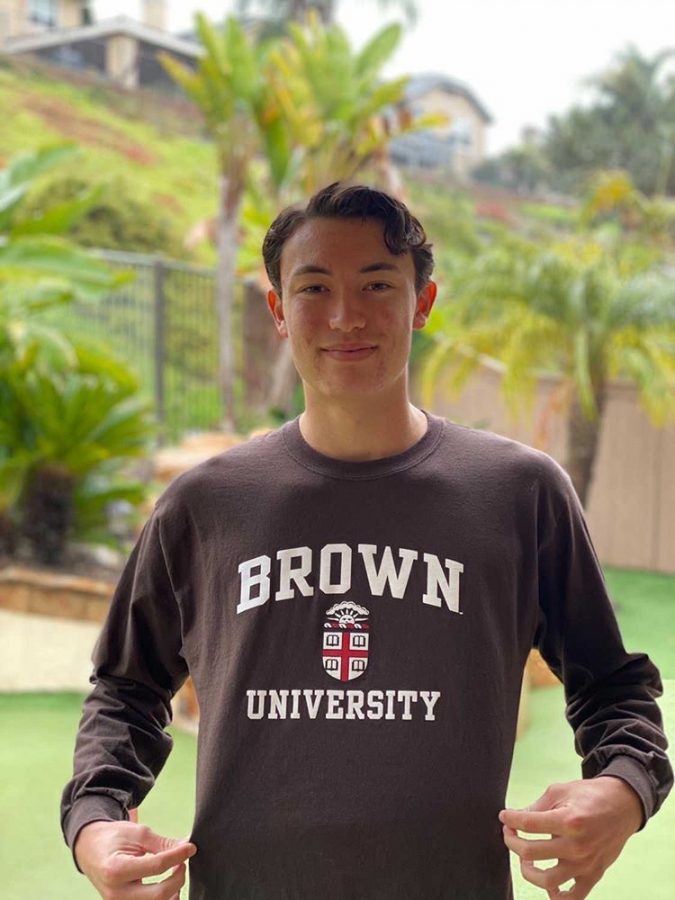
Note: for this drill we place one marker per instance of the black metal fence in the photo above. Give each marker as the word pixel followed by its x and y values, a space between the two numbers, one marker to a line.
pixel 163 323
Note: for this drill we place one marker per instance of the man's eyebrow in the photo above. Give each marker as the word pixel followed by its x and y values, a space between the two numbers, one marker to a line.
pixel 310 269
pixel 313 269
pixel 379 267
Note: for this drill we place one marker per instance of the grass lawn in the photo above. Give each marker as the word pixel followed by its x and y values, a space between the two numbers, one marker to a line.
pixel 39 729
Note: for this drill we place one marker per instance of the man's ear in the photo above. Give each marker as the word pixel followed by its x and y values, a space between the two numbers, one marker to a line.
pixel 277 311
pixel 425 300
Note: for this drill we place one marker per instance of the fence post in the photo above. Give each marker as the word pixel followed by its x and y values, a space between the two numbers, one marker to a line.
pixel 159 308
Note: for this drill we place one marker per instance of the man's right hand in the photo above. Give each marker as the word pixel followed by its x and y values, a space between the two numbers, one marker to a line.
pixel 117 856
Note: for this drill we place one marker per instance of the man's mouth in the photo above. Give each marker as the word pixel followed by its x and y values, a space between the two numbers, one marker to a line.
pixel 350 351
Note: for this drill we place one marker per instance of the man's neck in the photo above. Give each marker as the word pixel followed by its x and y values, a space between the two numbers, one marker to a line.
pixel 359 434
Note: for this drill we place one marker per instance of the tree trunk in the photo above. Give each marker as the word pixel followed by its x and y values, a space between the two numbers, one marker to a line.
pixel 262 344
pixel 284 380
pixel 583 434
pixel 228 226
pixel 48 513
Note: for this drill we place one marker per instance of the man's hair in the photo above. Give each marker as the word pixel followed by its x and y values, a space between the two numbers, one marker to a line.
pixel 402 231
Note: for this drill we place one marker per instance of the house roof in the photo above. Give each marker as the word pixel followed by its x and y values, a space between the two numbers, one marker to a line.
pixel 105 28
pixel 419 85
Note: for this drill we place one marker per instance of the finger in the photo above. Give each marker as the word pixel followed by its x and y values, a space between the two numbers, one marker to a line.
pixel 549 821
pixel 551 848
pixel 156 843
pixel 581 890
pixel 162 890
pixel 135 868
pixel 551 878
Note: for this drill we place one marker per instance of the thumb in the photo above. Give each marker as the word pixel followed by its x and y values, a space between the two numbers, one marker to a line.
pixel 157 843
pixel 541 804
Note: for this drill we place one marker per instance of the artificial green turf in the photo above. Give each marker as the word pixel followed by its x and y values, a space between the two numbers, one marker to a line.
pixel 646 611
pixel 35 761
pixel 39 730
pixel 544 755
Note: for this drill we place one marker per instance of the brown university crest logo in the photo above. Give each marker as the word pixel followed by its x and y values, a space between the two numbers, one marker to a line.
pixel 346 640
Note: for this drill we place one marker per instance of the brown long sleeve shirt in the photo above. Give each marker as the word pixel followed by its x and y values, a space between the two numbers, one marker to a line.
pixel 357 632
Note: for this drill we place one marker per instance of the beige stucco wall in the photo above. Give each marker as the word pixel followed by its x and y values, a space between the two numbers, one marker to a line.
pixel 69 14
pixel 631 506
pixel 14 18
pixel 153 13
pixel 456 108
pixel 121 60
pixel 41 653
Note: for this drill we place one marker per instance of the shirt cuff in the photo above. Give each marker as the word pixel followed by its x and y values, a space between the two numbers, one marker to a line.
pixel 91 808
pixel 635 776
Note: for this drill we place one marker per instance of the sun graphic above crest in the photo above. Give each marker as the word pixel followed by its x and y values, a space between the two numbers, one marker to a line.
pixel 347 614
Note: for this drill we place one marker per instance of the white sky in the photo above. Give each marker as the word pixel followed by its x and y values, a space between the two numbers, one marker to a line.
pixel 523 58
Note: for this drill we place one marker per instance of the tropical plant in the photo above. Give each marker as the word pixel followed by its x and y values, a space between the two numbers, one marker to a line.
pixel 37 265
pixel 116 218
pixel 589 309
pixel 67 429
pixel 630 126
pixel 334 101
pixel 311 106
pixel 340 115
pixel 232 88
pixel 51 390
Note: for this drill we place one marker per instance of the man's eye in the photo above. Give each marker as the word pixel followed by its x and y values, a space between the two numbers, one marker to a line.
pixel 313 289
pixel 378 286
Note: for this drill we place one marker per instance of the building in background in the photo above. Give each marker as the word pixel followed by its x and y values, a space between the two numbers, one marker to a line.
pixel 121 50
pixel 125 50
pixel 456 146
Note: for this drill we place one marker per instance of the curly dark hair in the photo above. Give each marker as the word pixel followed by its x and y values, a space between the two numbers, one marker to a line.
pixel 402 231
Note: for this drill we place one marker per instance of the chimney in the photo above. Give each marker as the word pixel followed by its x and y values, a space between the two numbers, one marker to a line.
pixel 154 14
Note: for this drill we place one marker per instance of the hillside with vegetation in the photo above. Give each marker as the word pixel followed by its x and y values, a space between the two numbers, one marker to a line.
pixel 138 148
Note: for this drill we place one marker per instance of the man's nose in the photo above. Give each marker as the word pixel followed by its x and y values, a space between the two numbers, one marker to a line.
pixel 347 312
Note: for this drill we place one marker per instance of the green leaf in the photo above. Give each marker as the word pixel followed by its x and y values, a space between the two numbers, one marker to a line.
pixel 278 150
pixel 378 51
pixel 10 198
pixel 58 219
pixel 214 44
pixel 27 167
pixel 56 258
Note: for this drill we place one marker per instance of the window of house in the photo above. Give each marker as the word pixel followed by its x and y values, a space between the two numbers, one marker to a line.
pixel 461 132
pixel 86 12
pixel 44 12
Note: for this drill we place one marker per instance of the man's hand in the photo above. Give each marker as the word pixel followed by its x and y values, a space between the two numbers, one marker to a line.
pixel 589 822
pixel 117 856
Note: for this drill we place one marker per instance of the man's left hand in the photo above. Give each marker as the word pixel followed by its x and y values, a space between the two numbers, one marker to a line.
pixel 589 822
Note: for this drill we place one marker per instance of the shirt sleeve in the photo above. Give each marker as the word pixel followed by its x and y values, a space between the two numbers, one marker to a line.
pixel 610 694
pixel 122 744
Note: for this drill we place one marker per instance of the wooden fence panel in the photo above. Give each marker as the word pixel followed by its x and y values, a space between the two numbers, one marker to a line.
pixel 631 506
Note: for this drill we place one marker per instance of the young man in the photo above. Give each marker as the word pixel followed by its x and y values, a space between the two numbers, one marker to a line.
pixel 355 596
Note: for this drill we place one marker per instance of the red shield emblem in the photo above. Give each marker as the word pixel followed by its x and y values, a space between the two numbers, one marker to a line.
pixel 346 641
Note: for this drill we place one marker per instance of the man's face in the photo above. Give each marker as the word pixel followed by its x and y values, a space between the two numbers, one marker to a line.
pixel 348 307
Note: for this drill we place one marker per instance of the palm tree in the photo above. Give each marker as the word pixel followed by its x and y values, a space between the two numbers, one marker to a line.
pixel 281 100
pixel 630 126
pixel 232 88
pixel 340 117
pixel 69 417
pixel 635 92
pixel 586 310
